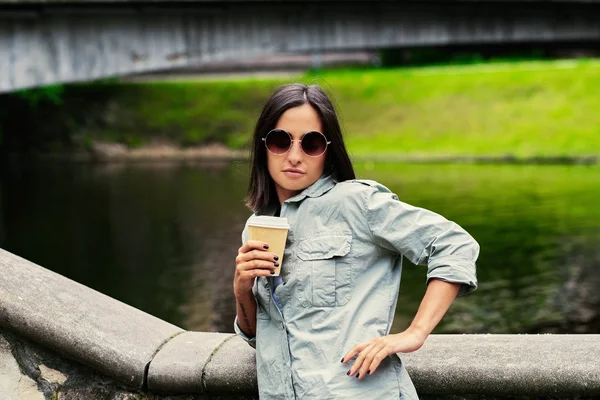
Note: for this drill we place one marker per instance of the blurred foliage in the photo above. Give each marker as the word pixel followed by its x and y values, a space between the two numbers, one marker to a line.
pixel 52 94
pixel 182 113
pixel 542 108
pixel 535 108
pixel 459 55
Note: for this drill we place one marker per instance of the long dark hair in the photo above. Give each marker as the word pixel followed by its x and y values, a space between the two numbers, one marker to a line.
pixel 261 190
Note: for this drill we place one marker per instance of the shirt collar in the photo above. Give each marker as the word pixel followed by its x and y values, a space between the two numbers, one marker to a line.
pixel 317 189
pixel 324 184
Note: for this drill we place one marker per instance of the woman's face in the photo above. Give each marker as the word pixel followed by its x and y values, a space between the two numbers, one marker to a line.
pixel 294 171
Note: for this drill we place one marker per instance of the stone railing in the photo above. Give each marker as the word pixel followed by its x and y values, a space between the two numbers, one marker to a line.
pixel 60 339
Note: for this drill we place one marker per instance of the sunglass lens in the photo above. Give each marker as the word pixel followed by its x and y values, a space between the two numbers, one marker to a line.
pixel 314 143
pixel 278 141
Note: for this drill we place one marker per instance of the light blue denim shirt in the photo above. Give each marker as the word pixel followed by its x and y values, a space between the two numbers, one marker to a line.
pixel 340 280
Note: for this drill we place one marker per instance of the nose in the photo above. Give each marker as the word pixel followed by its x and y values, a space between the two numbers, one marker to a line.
pixel 295 153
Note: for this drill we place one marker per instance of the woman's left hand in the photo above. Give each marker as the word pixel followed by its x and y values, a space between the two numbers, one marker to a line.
pixel 371 353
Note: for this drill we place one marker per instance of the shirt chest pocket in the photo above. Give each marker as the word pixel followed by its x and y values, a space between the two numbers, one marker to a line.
pixel 327 273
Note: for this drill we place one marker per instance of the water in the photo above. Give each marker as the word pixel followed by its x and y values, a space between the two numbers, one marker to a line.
pixel 163 237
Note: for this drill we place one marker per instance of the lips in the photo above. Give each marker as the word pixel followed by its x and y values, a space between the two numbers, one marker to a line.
pixel 293 173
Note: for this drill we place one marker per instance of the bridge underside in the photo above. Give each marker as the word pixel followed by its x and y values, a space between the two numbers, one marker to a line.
pixel 46 44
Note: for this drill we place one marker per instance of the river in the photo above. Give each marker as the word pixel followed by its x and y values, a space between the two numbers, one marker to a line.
pixel 163 237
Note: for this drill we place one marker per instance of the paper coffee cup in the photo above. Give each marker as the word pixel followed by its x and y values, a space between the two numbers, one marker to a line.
pixel 271 230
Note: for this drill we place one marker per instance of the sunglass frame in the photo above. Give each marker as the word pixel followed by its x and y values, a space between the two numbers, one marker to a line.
pixel 327 142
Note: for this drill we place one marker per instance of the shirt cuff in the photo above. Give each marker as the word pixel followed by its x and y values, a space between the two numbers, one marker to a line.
pixel 238 331
pixel 454 270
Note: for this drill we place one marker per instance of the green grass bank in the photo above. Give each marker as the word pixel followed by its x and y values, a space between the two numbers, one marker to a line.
pixel 519 109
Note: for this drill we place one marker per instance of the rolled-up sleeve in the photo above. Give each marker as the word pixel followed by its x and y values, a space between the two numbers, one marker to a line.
pixel 238 331
pixel 424 237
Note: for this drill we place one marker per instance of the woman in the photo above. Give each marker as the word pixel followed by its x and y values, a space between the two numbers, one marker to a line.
pixel 337 293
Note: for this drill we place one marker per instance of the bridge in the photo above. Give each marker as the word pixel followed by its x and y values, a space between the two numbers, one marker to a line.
pixel 48 42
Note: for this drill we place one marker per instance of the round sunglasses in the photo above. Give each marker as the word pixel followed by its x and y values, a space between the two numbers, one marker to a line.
pixel 279 142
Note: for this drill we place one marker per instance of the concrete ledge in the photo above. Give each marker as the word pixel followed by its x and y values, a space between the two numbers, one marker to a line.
pixel 78 322
pixel 507 365
pixel 490 365
pixel 179 366
pixel 200 362
pixel 221 377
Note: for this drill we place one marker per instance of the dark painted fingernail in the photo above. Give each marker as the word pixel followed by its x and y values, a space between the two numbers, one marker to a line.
pixel 266 246
pixel 276 258
pixel 342 361
pixel 357 375
pixel 272 272
pixel 369 372
pixel 348 373
pixel 276 264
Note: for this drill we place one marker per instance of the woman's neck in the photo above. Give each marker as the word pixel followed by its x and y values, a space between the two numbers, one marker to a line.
pixel 284 194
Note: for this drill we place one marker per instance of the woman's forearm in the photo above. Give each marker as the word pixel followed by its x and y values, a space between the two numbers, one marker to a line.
pixel 438 298
pixel 246 314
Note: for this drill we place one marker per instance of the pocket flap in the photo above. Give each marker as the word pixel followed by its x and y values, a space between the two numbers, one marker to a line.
pixel 324 247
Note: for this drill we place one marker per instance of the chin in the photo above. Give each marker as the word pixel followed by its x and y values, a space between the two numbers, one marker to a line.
pixel 296 184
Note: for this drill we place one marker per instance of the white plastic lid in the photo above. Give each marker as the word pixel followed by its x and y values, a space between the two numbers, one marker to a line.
pixel 269 222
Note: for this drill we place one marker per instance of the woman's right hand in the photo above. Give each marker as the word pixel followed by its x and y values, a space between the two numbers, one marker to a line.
pixel 253 260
